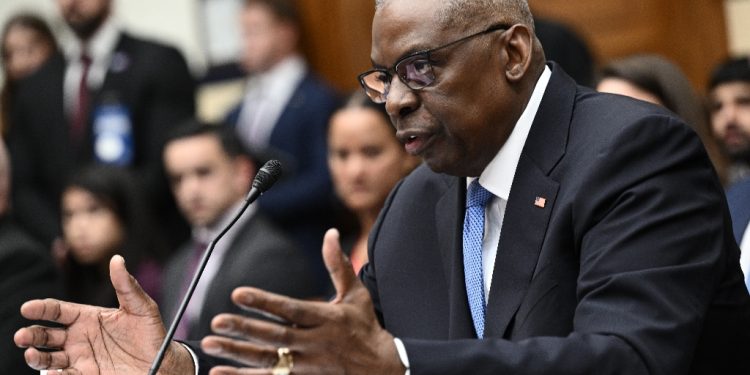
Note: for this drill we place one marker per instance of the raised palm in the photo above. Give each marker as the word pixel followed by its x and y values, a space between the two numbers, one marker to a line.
pixel 95 340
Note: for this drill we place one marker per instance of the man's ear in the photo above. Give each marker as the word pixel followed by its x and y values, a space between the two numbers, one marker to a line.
pixel 519 48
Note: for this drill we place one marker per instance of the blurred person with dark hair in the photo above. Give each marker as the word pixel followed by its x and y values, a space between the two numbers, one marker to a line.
pixel 564 46
pixel 26 42
pixel 729 101
pixel 210 173
pixel 657 80
pixel 108 98
pixel 284 113
pixel 26 271
pixel 366 161
pixel 103 214
pixel 729 104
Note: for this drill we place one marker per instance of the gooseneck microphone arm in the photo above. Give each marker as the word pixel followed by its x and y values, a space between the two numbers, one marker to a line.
pixel 264 179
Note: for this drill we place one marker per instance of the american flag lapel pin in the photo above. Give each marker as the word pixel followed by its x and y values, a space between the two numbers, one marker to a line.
pixel 540 202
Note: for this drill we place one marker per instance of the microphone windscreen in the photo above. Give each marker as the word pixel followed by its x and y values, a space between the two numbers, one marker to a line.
pixel 268 174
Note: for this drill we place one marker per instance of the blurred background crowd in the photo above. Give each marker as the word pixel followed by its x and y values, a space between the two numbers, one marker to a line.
pixel 135 127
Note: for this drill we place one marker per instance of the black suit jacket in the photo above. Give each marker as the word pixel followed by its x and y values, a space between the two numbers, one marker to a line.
pixel 629 268
pixel 260 256
pixel 151 80
pixel 26 272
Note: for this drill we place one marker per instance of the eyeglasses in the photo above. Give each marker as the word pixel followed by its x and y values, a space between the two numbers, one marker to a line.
pixel 414 70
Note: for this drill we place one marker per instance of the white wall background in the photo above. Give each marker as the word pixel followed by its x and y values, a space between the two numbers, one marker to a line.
pixel 171 21
pixel 738 26
pixel 177 22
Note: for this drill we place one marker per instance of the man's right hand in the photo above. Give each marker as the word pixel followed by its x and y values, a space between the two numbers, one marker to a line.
pixel 97 340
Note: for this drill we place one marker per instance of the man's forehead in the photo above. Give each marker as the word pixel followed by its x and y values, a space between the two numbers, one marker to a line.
pixel 401 27
pixel 733 88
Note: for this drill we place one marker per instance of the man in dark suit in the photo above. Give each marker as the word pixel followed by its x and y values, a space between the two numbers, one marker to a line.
pixel 210 175
pixel 108 97
pixel 594 237
pixel 729 104
pixel 284 113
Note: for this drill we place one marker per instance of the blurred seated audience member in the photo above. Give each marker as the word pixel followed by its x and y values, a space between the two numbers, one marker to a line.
pixel 564 46
pixel 738 198
pixel 107 97
pixel 729 102
pixel 285 113
pixel 27 42
pixel 729 105
pixel 26 271
pixel 103 214
pixel 366 161
pixel 211 173
pixel 655 79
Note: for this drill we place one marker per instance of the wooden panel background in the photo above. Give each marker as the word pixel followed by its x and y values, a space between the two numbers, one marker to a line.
pixel 337 38
pixel 690 32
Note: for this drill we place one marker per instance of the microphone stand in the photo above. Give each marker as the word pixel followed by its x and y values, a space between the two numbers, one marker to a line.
pixel 265 177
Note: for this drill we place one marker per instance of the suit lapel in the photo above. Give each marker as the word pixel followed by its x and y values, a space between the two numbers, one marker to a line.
pixel 521 238
pixel 530 204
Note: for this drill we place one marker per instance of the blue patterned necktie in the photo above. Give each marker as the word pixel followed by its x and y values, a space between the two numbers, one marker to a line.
pixel 476 199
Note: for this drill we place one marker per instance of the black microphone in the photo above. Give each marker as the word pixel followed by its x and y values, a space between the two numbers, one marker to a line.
pixel 264 179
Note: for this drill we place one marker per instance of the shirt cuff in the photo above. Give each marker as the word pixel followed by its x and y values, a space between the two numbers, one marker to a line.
pixel 402 354
pixel 195 357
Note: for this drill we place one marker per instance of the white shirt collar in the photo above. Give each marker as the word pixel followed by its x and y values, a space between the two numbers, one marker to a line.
pixel 206 234
pixel 281 80
pixel 498 176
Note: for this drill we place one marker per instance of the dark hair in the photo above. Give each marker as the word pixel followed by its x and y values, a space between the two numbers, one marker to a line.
pixel 28 21
pixel 731 70
pixel 116 189
pixel 359 99
pixel 230 142
pixel 665 80
pixel 645 72
pixel 284 10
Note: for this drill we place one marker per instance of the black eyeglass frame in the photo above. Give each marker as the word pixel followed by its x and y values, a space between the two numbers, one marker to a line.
pixel 424 55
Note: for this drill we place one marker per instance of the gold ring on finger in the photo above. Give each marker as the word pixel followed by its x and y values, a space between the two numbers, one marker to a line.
pixel 285 362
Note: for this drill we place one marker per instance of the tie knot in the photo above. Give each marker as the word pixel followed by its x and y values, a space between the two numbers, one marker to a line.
pixel 477 195
pixel 85 59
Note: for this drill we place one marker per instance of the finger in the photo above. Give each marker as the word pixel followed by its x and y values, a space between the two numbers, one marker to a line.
pixel 294 311
pixel 226 370
pixel 39 360
pixel 40 337
pixel 130 295
pixel 254 330
pixel 70 371
pixel 52 310
pixel 339 267
pixel 240 351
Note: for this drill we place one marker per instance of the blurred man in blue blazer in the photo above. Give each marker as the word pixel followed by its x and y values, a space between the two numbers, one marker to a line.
pixel 284 113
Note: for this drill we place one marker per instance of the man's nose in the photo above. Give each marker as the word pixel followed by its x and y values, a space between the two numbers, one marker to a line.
pixel 401 100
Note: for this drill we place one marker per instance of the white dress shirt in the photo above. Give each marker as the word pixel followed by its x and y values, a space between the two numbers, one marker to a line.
pixel 497 178
pixel 745 255
pixel 100 48
pixel 265 98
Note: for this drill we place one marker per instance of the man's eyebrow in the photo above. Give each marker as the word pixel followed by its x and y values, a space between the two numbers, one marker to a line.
pixel 408 53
